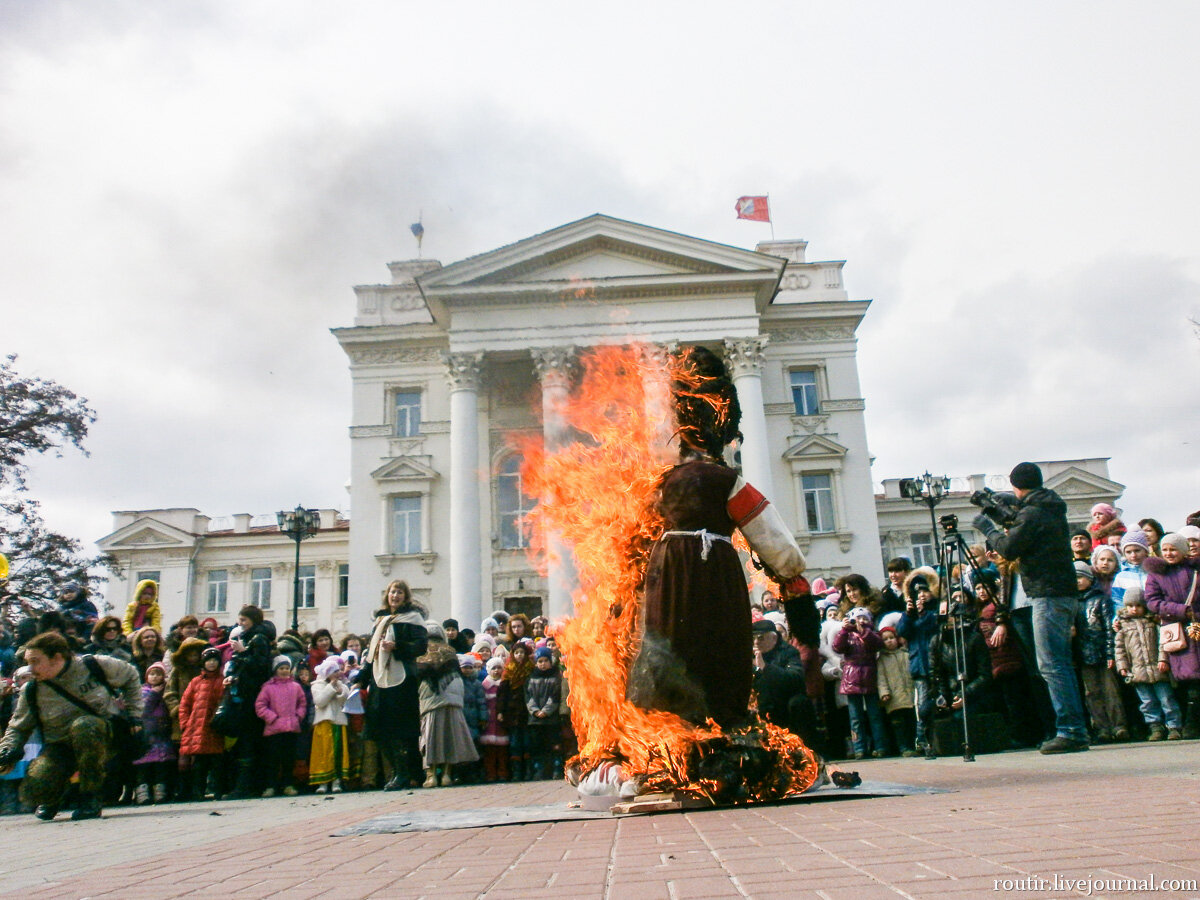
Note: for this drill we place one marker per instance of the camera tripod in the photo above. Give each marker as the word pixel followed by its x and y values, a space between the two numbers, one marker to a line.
pixel 955 617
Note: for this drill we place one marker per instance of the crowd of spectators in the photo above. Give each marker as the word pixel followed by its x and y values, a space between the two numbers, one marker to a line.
pixel 235 710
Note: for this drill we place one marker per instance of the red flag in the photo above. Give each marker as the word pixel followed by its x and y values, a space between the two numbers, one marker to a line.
pixel 754 208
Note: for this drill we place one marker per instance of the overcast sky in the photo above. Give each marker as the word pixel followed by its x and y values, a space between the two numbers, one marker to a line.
pixel 189 192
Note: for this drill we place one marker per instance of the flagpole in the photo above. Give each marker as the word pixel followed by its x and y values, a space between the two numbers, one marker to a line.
pixel 771 221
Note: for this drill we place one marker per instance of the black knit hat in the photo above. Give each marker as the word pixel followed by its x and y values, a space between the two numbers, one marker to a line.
pixel 917 584
pixel 1026 476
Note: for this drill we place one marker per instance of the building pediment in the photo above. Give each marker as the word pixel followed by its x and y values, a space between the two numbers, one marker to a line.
pixel 408 468
pixel 1077 482
pixel 146 534
pixel 600 256
pixel 815 447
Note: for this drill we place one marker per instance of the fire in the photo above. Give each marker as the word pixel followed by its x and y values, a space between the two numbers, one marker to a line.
pixel 595 496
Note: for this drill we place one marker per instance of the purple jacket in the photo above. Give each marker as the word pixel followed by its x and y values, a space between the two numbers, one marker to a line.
pixel 1167 589
pixel 281 705
pixel 860 653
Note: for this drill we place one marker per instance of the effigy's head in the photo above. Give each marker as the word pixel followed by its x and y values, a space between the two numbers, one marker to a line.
pixel 707 413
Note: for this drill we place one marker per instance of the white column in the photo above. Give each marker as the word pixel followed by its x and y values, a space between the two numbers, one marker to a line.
pixel 744 357
pixel 656 381
pixel 553 366
pixel 466 595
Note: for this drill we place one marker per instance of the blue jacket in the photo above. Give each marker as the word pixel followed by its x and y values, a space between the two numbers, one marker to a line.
pixel 918 631
pixel 1093 627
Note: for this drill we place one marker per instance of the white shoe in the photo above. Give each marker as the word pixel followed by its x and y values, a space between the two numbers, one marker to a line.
pixel 336 787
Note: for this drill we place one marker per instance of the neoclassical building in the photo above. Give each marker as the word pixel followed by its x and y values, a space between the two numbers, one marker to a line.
pixel 449 362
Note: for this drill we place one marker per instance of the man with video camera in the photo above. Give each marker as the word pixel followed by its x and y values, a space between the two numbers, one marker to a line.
pixel 1037 535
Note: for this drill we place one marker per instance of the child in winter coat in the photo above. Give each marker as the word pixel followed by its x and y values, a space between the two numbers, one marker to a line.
pixel 1094 636
pixel 474 707
pixel 1141 662
pixel 512 712
pixel 896 691
pixel 494 740
pixel 143 609
pixel 859 644
pixel 445 739
pixel 200 746
pixel 543 700
pixel 329 761
pixel 10 782
pixel 917 625
pixel 155 766
pixel 1105 527
pixel 281 706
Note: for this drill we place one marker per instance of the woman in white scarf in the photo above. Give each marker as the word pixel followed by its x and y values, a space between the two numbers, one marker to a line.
pixel 393 709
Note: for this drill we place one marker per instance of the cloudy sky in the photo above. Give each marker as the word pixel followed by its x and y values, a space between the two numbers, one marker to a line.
pixel 190 191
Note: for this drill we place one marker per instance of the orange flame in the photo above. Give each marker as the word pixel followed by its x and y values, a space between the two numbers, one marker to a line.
pixel 595 496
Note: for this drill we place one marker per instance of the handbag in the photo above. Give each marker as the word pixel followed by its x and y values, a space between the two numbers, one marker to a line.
pixel 227 719
pixel 1173 637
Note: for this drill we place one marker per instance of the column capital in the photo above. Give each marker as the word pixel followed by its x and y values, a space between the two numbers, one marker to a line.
pixel 463 370
pixel 658 355
pixel 744 356
pixel 554 365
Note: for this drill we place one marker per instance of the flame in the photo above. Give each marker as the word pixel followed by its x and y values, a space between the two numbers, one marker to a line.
pixel 595 497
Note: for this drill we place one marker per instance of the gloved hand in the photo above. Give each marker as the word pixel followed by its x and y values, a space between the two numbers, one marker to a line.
pixel 983 524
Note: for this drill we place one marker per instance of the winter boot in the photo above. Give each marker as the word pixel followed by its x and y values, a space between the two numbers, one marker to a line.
pixel 143 795
pixel 243 788
pixel 1174 735
pixel 516 771
pixel 431 780
pixel 88 807
pixel 447 775
pixel 46 812
pixel 160 793
pixel 1191 725
pixel 1158 733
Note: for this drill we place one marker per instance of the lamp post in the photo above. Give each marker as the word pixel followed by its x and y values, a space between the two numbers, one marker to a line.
pixel 298 524
pixel 929 490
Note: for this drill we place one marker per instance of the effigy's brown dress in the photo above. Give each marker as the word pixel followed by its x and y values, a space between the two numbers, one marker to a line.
pixel 696 658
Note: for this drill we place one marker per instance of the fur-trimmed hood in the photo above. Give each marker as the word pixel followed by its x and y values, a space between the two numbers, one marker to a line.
pixel 930 576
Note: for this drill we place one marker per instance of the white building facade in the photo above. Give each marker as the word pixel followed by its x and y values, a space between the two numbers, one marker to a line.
pixel 449 363
pixel 214 567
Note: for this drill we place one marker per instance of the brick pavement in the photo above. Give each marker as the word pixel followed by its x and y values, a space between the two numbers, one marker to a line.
pixel 1115 812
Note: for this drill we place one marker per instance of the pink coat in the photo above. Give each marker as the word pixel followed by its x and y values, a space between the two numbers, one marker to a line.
pixel 281 705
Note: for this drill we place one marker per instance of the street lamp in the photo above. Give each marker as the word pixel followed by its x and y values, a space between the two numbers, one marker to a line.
pixel 929 490
pixel 298 524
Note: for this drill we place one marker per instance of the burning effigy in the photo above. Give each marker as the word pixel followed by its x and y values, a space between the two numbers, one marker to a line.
pixel 658 651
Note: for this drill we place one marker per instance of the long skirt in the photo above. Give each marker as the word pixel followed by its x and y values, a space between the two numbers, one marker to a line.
pixel 330 756
pixel 445 737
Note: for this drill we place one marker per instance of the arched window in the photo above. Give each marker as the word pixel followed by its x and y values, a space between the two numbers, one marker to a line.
pixel 512 504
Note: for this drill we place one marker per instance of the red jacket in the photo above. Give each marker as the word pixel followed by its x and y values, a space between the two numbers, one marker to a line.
pixel 196 711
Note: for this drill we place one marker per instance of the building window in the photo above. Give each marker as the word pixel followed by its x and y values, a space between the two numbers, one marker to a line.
pixel 408 413
pixel 804 392
pixel 922 549
pixel 818 502
pixel 406 525
pixel 343 585
pixel 308 587
pixel 218 590
pixel 156 577
pixel 512 503
pixel 260 588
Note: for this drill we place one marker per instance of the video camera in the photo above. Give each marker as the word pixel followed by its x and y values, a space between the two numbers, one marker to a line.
pixel 999 506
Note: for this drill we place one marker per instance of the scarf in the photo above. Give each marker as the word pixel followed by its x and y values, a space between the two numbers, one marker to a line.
pixel 386 671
